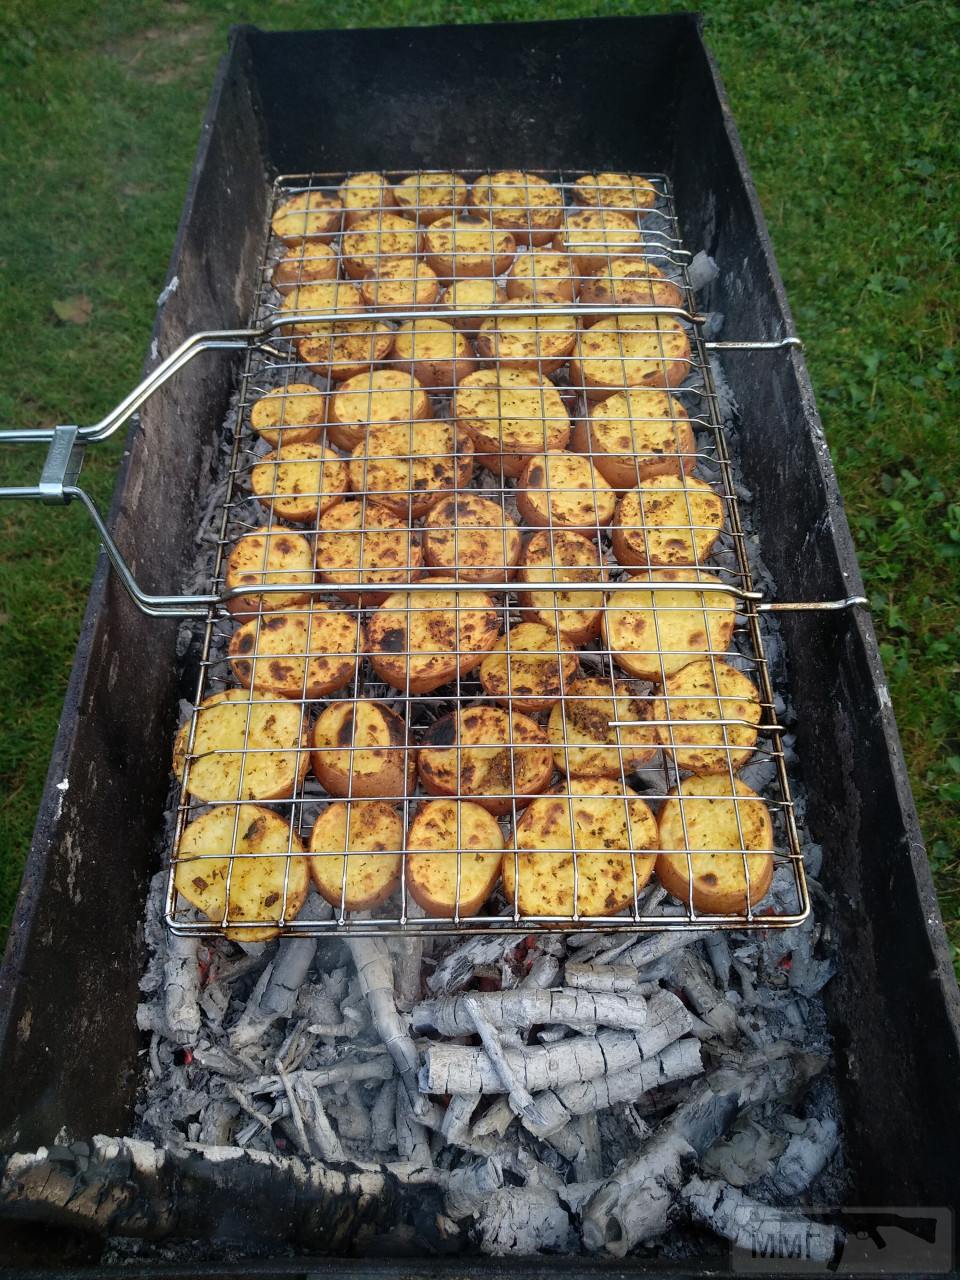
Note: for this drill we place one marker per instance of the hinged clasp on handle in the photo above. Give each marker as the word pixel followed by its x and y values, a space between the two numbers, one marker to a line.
pixel 62 465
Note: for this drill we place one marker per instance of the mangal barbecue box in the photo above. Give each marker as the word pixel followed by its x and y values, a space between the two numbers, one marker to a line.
pixel 634 95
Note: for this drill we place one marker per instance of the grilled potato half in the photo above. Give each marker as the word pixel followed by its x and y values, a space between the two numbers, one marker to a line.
pixel 312 264
pixel 270 555
pixel 358 541
pixel 374 238
pixel 654 633
pixel 487 755
pixel 471 538
pixel 410 466
pixel 470 292
pixel 299 482
pixel 363 192
pixel 310 218
pixel 635 435
pixel 541 277
pixel 434 351
pixel 713 710
pixel 628 282
pixel 565 491
pixel 230 725
pixel 373 399
pixel 297 655
pixel 346 347
pixel 511 414
pixel 370 833
pixel 294 414
pixel 541 343
pixel 400 283
pixel 723 824
pixel 599 824
pixel 630 351
pixel 668 520
pixel 420 641
pixel 266 889
pixel 429 196
pixel 615 191
pixel 529 668
pixel 594 237
pixel 585 744
pixel 339 296
pixel 459 245
pixel 524 204
pixel 453 857
pixel 560 555
pixel 359 750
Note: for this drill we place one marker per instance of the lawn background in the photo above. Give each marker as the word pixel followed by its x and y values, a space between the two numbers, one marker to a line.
pixel 844 110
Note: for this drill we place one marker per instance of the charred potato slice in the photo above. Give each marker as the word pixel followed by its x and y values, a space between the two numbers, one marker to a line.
pixel 358 541
pixel 585 744
pixel 429 196
pixel 564 491
pixel 458 245
pixel 541 343
pixel 452 840
pixel 529 668
pixel 628 282
pixel 486 755
pixel 370 833
pixel 723 824
pixel 373 239
pixel 294 414
pixel 471 538
pixel 594 237
pixel 434 351
pixel 541 277
pixel 271 554
pixel 635 435
pixel 359 749
pixel 265 890
pixel 399 283
pixel 372 399
pixel 511 414
pixel 299 482
pixel 668 520
pixel 615 191
pixel 346 348
pixel 228 725
pixel 524 204
pixel 654 633
pixel 325 297
pixel 420 641
pixel 464 295
pixel 630 351
pixel 560 555
pixel 363 192
pixel 597 823
pixel 314 264
pixel 410 467
pixel 713 710
pixel 307 219
pixel 299 655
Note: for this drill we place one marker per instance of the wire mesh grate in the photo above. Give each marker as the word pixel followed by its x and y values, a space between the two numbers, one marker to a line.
pixel 491 626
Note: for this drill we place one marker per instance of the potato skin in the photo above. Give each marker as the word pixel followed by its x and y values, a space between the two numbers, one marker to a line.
pixel 372 759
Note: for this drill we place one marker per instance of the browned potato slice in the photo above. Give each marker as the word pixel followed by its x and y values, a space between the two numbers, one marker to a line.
pixel 358 541
pixel 229 725
pixel 371 834
pixel 294 414
pixel 524 204
pixel 541 343
pixel 635 435
pixel 411 466
pixel 266 890
pixel 370 399
pixel 471 538
pixel 594 237
pixel 363 192
pixel 434 351
pixel 594 822
pixel 710 690
pixel 314 264
pixel 560 555
pixel 398 283
pixel 564 491
pixel 667 521
pixel 451 841
pixel 584 742
pixel 419 641
pixel 485 754
pixel 541 277
pixel 346 348
pixel 271 554
pixel 327 296
pixel 359 749
pixel 630 351
pixel 654 633
pixel 464 295
pixel 310 218
pixel 429 196
pixel 376 237
pixel 628 282
pixel 458 245
pixel 721 834
pixel 615 191
pixel 528 668
pixel 298 482
pixel 300 655
pixel 510 414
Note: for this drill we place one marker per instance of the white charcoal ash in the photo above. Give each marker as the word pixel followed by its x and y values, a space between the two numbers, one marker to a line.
pixel 760 1229
pixel 525 1007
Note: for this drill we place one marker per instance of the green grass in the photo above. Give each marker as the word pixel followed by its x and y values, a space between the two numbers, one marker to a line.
pixel 845 114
